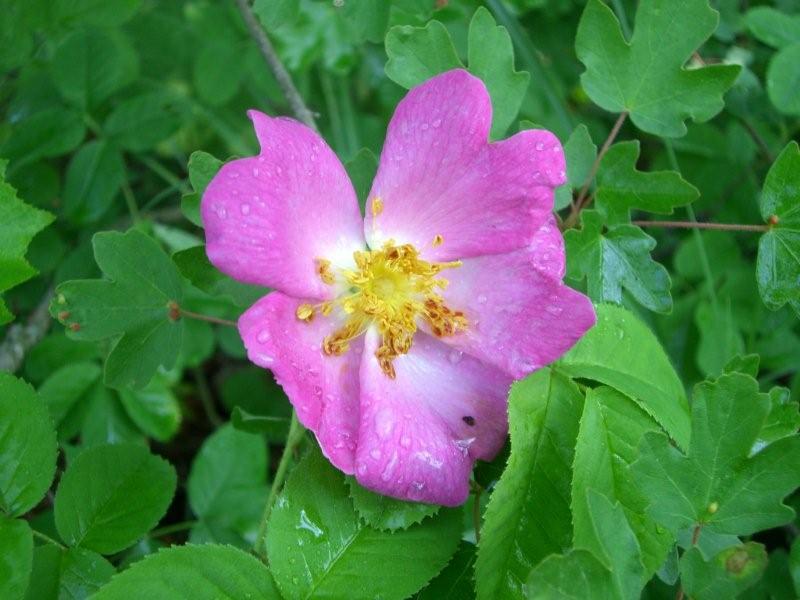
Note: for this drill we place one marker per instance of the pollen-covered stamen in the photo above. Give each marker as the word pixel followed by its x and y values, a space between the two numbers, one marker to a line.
pixel 391 288
pixel 324 270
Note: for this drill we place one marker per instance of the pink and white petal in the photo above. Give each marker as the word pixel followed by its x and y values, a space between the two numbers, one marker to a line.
pixel 421 432
pixel 520 319
pixel 547 250
pixel 323 389
pixel 267 218
pixel 439 175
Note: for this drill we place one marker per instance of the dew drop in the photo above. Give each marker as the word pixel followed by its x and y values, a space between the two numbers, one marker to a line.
pixel 375 454
pixel 437 122
pixel 255 172
pixel 245 208
pixel 539 146
pixel 263 336
pixel 455 356
pixel 482 299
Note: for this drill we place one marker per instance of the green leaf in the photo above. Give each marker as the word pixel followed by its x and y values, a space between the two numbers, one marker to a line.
pixel 720 338
pixel 491 57
pixel 318 547
pixel 104 13
pixel 202 168
pixel 227 483
pixel 783 419
pixel 67 573
pixel 19 223
pixel 418 53
pixel 773 27
pixel 274 13
pixel 361 170
pixel 614 259
pixel 646 77
pixel 778 264
pixel 743 363
pixel 141 122
pixel 16 548
pixel 133 305
pixel 95 175
pixel 577 574
pixel 620 187
pixel 783 78
pixel 91 64
pixel 27 446
pixel 218 72
pixel 611 427
pixel 190 572
pixel 544 410
pixel 111 495
pixel 106 421
pixel 717 484
pixel 455 582
pixel 66 386
pixel 368 19
pixel 621 352
pixel 154 409
pixel 580 153
pixel 51 132
pixel 383 512
pixel 274 428
pixel 726 575
pixel 193 264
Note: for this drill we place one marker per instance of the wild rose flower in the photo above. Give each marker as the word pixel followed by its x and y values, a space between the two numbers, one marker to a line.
pixel 396 338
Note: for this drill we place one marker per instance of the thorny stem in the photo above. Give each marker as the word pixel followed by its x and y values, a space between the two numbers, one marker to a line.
pixel 282 76
pixel 696 225
pixel 583 197
pixel 695 537
pixel 294 438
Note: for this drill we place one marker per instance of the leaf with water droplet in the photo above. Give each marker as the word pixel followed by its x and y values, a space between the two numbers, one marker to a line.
pixel 382 512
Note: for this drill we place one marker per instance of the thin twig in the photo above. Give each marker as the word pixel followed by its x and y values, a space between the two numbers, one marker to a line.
pixel 208 318
pixel 21 338
pixel 206 399
pixel 583 198
pixel 696 225
pixel 293 439
pixel 282 76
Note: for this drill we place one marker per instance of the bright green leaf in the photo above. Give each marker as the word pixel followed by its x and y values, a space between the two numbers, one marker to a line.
pixel 491 57
pixel 111 495
pixel 383 512
pixel 572 576
pixel 16 548
pixel 783 418
pixel 207 572
pixel 418 53
pixel 274 13
pixel 133 304
pixel 717 484
pixel 19 223
pixel 621 352
pixel 106 421
pixel 66 386
pixel 620 187
pixel 611 427
pixel 202 168
pixel 27 446
pixel 646 77
pixel 314 521
pixel 778 265
pixel 743 363
pixel 580 153
pixel 726 575
pixel 773 27
pixel 154 409
pixel 614 259
pixel 67 573
pixel 368 19
pixel 544 410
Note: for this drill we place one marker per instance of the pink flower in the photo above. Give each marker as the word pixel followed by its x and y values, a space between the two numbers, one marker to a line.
pixel 396 337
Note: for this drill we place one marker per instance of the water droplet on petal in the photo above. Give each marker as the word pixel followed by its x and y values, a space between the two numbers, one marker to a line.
pixel 263 336
pixel 245 208
pixel 482 299
pixel 375 454
pixel 539 146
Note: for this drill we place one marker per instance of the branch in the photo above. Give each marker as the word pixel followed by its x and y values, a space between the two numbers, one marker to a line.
pixel 275 65
pixel 21 338
pixel 696 225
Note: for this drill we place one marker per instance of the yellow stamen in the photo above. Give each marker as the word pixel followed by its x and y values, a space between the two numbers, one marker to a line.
pixel 391 288
pixel 377 206
pixel 324 270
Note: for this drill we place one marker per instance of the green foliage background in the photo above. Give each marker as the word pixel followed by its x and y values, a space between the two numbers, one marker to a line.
pixel 142 456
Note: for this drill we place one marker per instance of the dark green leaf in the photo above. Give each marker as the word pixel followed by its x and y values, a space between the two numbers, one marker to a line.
pixel 773 27
pixel 646 77
pixel 190 572
pixel 544 410
pixel 133 304
pixel 717 484
pixel 273 427
pixel 16 548
pixel 218 72
pixel 104 13
pixel 726 575
pixel 361 169
pixel 491 57
pixel 580 153
pixel 455 582
pixel 50 132
pixel 382 512
pixel 72 573
pixel 143 121
pixel 66 386
pixel 193 264
pixel 274 13
pixel 318 547
pixel 154 409
pixel 111 495
pixel 783 78
pixel 27 446
pixel 418 53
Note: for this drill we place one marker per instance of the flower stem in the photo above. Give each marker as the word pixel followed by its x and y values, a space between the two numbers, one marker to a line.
pixel 293 439
pixel 182 312
pixel 697 225
pixel 275 65
pixel 583 197
pixel 695 537
pixel 206 399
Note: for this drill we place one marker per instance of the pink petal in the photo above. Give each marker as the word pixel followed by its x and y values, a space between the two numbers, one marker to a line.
pixel 323 389
pixel 267 218
pixel 547 250
pixel 421 432
pixel 439 176
pixel 520 318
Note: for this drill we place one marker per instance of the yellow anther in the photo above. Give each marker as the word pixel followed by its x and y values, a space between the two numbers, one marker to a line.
pixel 305 312
pixel 324 270
pixel 438 240
pixel 377 206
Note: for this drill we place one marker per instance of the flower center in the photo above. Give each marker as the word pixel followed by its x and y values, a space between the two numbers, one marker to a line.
pixel 391 288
